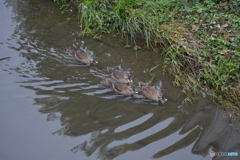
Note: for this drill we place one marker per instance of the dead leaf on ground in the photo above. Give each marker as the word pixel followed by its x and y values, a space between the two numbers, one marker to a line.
pixel 188 34
pixel 224 51
pixel 194 27
pixel 211 23
pixel 223 4
pixel 224 25
pixel 225 37
pixel 221 26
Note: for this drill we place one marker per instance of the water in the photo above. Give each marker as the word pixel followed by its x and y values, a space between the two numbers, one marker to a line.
pixel 53 108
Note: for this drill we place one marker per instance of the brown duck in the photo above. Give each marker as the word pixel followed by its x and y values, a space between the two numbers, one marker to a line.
pixel 83 57
pixel 118 76
pixel 152 93
pixel 121 88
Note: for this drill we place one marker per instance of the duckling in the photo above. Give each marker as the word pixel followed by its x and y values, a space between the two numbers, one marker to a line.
pixel 121 88
pixel 83 57
pixel 118 76
pixel 152 93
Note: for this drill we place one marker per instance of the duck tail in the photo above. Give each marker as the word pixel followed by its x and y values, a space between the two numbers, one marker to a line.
pixel 109 82
pixel 141 84
pixel 72 52
pixel 110 70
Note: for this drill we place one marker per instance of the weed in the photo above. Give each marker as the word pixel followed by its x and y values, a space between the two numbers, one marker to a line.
pixel 62 4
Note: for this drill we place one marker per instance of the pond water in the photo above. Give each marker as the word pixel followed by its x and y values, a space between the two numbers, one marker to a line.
pixel 53 108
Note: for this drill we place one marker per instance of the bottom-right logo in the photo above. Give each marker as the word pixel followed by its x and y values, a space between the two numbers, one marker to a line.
pixel 212 154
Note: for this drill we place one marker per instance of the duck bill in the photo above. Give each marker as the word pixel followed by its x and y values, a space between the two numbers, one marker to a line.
pixel 163 100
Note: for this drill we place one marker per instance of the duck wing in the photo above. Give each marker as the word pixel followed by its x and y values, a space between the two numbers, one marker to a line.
pixel 120 87
pixel 149 90
pixel 81 56
pixel 118 75
pixel 158 85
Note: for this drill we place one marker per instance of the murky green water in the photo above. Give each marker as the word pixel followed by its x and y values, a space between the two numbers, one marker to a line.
pixel 53 108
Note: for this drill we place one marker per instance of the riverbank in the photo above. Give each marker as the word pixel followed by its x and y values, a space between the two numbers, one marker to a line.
pixel 200 39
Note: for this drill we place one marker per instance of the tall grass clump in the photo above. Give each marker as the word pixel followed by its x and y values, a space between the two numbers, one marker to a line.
pixel 128 17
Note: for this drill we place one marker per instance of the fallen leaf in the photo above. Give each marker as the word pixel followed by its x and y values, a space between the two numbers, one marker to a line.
pixel 224 25
pixel 211 23
pixel 224 51
pixel 188 34
pixel 221 27
pixel 225 37
pixel 194 27
pixel 223 4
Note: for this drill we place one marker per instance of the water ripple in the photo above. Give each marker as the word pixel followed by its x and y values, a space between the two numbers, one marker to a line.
pixel 133 123
pixel 154 129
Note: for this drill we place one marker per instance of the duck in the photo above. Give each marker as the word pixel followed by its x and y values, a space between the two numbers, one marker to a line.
pixel 152 93
pixel 121 88
pixel 83 57
pixel 118 76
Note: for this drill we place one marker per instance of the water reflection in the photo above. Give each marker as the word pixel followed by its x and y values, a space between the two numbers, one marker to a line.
pixel 78 97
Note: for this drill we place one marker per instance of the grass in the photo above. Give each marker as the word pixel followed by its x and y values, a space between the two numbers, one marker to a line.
pixel 63 5
pixel 201 39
